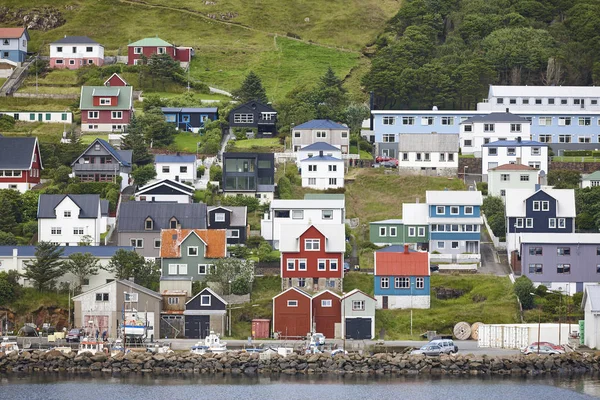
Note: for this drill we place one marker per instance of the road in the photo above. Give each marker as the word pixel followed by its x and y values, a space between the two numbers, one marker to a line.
pixel 490 262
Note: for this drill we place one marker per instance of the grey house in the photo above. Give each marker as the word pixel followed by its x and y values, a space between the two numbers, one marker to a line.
pixel 233 219
pixel 101 162
pixel 140 223
pixel 358 314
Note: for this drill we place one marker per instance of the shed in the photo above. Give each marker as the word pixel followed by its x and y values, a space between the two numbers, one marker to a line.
pixel 358 315
pixel 260 328
pixel 327 313
pixel 292 313
pixel 591 311
pixel 203 313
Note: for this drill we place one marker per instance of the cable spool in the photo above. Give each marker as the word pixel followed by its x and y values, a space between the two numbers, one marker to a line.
pixel 462 330
pixel 475 330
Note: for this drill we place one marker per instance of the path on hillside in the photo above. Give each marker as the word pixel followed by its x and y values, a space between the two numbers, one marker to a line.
pixel 233 24
pixel 490 261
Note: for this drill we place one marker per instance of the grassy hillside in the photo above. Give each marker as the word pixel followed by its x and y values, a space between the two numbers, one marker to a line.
pixel 242 36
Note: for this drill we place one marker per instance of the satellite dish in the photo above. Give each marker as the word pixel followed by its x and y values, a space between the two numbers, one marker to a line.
pixel 81 160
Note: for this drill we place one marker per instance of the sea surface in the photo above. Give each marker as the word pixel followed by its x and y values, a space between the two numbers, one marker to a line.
pixel 180 387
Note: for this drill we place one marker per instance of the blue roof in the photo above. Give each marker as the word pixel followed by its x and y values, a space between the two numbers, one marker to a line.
pixel 321 159
pixel 320 124
pixel 96 251
pixel 165 158
pixel 397 248
pixel 514 143
pixel 189 109
pixel 318 146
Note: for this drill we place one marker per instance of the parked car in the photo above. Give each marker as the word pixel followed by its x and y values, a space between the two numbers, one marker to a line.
pixel 429 350
pixel 558 348
pixel 535 349
pixel 74 335
pixel 346 267
pixel 380 159
pixel 447 345
pixel 318 339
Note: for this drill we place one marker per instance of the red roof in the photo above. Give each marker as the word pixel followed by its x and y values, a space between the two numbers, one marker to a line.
pixel 402 264
pixel 512 167
pixel 11 33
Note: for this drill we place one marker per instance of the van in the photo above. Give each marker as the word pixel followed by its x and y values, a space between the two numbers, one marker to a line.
pixel 447 345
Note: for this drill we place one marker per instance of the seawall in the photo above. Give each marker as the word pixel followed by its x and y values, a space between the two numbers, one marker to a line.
pixel 252 364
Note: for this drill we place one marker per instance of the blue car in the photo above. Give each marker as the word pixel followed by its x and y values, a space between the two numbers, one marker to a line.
pixel 346 267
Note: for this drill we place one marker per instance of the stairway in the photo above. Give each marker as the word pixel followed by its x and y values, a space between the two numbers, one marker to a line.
pixel 16 78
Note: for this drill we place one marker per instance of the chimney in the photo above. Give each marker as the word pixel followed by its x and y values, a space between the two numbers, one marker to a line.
pixel 178 154
pixel 417 200
pixel 519 139
pixel 537 187
pixel 507 109
pixel 320 153
pixel 405 249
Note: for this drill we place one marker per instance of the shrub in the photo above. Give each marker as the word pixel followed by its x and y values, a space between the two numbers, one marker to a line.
pixel 523 289
pixel 201 171
pixel 7 123
pixel 216 173
pixel 284 188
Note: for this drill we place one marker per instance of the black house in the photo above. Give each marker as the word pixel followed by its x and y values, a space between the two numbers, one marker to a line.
pixel 203 313
pixel 255 115
pixel 248 174
pixel 190 119
pixel 231 218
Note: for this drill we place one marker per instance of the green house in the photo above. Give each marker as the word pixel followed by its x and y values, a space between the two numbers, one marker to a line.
pixel 387 232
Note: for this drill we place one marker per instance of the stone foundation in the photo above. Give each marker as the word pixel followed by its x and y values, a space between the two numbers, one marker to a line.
pixel 252 364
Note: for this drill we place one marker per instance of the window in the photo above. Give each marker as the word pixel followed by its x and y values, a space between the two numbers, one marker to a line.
pixel 393 231
pixel 148 224
pixel 321 265
pixel 512 101
pixel 157 243
pixel 411 231
pixel 536 268
pixel 584 139
pixel 545 138
pixel 131 297
pixel 486 140
pixel 327 303
pixel 440 210
pixel 344 135
pixel 243 118
pixel 161 50
pixel 538 101
pixel 564 121
pixel 358 305
pixel 563 101
pixel 421 231
pixel 545 121
pixel 205 300
pixel 105 101
pixel 312 168
pixel 301 282
pixel 535 251
pixel 327 214
pixel 545 206
pixel 468 128
pixel 137 50
pixel 563 269
pixel 427 156
pixel 58 48
pixel 101 296
pixel 529 223
pixel 488 127
pixel 447 120
pixel 441 245
pixel 525 101
pixel 500 101
pixel 536 206
pixel 296 134
pixel 534 164
pixel 450 157
pixel 78 231
pixel 382 231
pixel 219 217
pixel 535 151
pixel 492 151
pixel 402 283
pixel 56 230
pixel 552 223
pixel 173 300
pixel 291 265
pixel 321 135
pixel 301 265
pixel 551 101
pixel 389 120
pixel 71 62
pixel 418 157
pixel 233 233
pixel 312 244
pixel 426 120
pixel 89 49
pixel 93 115
pixel 455 245
pixel 468 143
pixel 420 283
pixel 292 303
pixel 511 151
pixel 332 168
pixel 502 192
pixel 333 181
pixel 515 127
pixel 505 177
pixel 519 223
pixel 408 120
pixel 389 138
pixel 385 283
pixel 137 243
pixel 563 251
pixel 192 251
pixel 454 210
pixel 584 121
pixel 67 214
pixel 333 265
pixel 561 223
pixel 404 156
pixel 166 169
pixel 442 156
pixel 312 181
pixel 173 223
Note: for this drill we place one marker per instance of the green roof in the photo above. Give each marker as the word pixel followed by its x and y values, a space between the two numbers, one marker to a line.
pixel 151 42
pixel 594 176
pixel 124 99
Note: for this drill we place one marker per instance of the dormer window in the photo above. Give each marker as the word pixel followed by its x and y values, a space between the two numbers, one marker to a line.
pixel 105 101
pixel 148 224
pixel 97 147
pixel 173 223
pixel 219 217
pixel 5 42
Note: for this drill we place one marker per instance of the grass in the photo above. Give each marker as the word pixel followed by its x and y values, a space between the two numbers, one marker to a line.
pixel 575 159
pixel 27 104
pixel 187 141
pixel 89 138
pixel 466 156
pixel 64 77
pixel 268 145
pixel 364 155
pixel 50 89
pixel 486 298
pixel 44 132
pixel 2 80
pixel 31 300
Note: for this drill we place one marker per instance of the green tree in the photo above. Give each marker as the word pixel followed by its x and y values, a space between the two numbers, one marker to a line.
pixel 356 113
pixel 7 239
pixel 61 175
pixel 564 179
pixel 124 264
pixel 163 68
pixel 284 187
pixel 29 205
pixel 228 271
pixel 524 289
pixel 153 128
pixel 8 218
pixel 136 142
pixel 46 267
pixel 147 275
pixel 82 265
pixel 153 101
pixel 215 173
pixel 144 174
pixel 9 287
pixel 251 89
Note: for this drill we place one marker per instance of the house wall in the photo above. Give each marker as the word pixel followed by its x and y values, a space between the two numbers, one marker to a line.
pixel 377 237
pixel 592 327
pixel 496 185
pixel 105 116
pixel 28 178
pixel 175 173
pixel 416 234
pixel 49 117
pixel 523 155
pixel 91 226
pixel 167 198
pixel 67 58
pixel 109 312
pixel 322 175
pixel 292 321
pixel 404 302
pixel 15 50
pixel 147 51
pixel 148 237
pixel 147 305
pixel 369 311
pixel 231 240
pixel 192 262
pixel 339 138
pixel 501 131
pixel 448 167
pixel 402 298
pixel 540 218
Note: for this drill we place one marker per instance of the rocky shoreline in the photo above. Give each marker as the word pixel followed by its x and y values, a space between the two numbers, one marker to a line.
pixel 319 364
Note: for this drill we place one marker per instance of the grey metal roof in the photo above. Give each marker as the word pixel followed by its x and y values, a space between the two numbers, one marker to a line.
pixel 178 159
pixel 318 146
pixel 88 204
pixel 321 124
pixel 591 292
pixel 238 214
pixel 128 285
pixel 75 40
pixel 496 117
pixel 96 251
pixel 132 215
pixel 124 157
pixel 16 152
pixel 428 142
pixel 104 206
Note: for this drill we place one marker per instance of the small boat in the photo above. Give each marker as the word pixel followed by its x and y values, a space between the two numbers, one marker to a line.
pixel 213 341
pixel 200 348
pixel 159 348
pixel 62 349
pixel 8 347
pixel 89 345
pixel 117 347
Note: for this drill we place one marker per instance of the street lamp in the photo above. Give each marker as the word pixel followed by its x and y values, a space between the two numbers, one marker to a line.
pixel 465 174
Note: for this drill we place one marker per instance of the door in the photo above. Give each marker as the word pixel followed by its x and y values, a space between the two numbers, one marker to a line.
pixel 385 302
pixel 197 326
pixel 326 326
pixel 358 328
pixel 40 118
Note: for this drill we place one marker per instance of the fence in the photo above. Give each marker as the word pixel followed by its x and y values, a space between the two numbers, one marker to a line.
pixel 455 258
pixel 495 240
pixel 46 95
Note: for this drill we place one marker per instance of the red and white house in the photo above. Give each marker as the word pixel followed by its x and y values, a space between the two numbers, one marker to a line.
pixel 149 46
pixel 20 163
pixel 327 312
pixel 312 257
pixel 107 108
pixel 74 52
pixel 292 313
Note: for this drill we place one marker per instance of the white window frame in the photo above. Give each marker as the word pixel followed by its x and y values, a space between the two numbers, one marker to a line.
pixel 384 283
pixel 93 115
pixel 393 231
pixel 292 303
pixel 441 244
pixel 173 268
pixel 552 223
pixel 219 217
pixel 204 297
pixel 412 231
pixel 358 305
pixel 528 223
pixel 545 205
pixel 192 248
pixel 290 265
pixel 382 231
pixel 457 210
pixel 421 231
pixel 468 208
pixel 562 223
pixel 117 115
pixel 297 214
pixel 388 120
pixel 437 210
pixel 326 303
pixel 137 50
pixel 309 244
pixel 420 283
pixel 333 265
pixel 321 264
pixel 537 206
pixel 302 264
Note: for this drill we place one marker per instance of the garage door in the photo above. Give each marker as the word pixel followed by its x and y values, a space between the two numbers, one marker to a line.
pixel 197 326
pixel 326 326
pixel 293 325
pixel 358 328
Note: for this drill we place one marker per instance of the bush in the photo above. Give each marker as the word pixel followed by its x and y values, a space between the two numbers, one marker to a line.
pixel 240 286
pixel 483 188
pixel 201 170
pixel 29 228
pixel 216 173
pixel 523 289
pixel 7 123
pixel 251 203
pixel 284 188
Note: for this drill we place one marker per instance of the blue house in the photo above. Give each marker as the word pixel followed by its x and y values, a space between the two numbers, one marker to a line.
pixel 401 278
pixel 13 44
pixel 454 221
pixel 190 119
pixel 538 211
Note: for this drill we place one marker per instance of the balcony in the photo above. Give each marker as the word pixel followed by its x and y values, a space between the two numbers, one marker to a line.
pixel 262 121
pixel 96 167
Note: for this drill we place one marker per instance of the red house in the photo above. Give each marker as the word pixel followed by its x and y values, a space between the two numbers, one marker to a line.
pixel 292 313
pixel 149 46
pixel 107 108
pixel 312 258
pixel 20 163
pixel 327 311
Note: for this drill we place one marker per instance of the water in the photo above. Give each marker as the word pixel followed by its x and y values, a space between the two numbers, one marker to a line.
pixel 177 387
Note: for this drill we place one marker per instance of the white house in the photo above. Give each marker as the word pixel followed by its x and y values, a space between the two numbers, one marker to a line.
pixel 16 257
pixel 526 152
pixel 322 172
pixel 69 219
pixel 74 52
pixel 313 150
pixel 165 190
pixel 590 303
pixel 428 154
pixel 590 180
pixel 179 168
pixel 49 117
pixel 317 209
pixel 481 129
pixel 511 176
